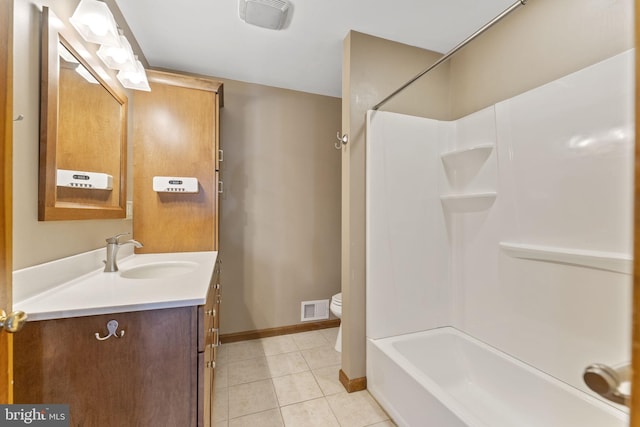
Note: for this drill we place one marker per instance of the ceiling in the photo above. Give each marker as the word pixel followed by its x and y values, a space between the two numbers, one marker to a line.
pixel 207 36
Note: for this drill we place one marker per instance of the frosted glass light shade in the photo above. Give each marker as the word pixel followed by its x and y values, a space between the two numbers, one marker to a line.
pixel 118 57
pixel 86 74
pixel 95 23
pixel 66 55
pixel 134 79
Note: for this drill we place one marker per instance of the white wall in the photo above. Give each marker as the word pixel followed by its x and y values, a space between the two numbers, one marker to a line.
pixel 408 250
pixel 565 157
pixel 562 172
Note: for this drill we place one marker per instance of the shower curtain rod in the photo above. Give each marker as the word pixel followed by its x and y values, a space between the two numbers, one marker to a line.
pixel 453 51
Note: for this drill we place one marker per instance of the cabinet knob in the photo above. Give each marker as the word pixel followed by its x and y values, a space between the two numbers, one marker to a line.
pixel 13 321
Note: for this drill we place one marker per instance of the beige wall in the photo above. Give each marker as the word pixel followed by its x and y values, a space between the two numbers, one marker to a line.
pixel 372 69
pixel 36 242
pixel 538 43
pixel 280 210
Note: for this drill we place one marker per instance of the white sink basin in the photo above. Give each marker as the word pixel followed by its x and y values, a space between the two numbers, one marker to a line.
pixel 156 270
pixel 77 286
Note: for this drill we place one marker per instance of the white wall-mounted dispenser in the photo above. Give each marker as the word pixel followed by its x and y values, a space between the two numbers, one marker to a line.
pixel 79 179
pixel 175 184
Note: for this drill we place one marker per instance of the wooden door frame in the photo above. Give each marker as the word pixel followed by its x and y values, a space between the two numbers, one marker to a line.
pixel 6 184
pixel 635 342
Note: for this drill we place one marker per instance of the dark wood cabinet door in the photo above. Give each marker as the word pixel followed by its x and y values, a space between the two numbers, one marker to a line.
pixel 148 377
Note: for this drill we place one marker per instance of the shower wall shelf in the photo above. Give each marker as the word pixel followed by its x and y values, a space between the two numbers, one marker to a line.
pixel 461 167
pixel 468 202
pixel 609 261
pixel 467 158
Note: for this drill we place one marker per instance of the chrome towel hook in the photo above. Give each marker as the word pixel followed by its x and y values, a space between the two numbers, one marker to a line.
pixel 342 140
pixel 112 327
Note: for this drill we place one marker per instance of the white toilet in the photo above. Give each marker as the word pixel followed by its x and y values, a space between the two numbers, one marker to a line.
pixel 336 309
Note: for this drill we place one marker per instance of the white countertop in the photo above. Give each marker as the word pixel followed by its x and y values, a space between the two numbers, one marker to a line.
pixel 97 292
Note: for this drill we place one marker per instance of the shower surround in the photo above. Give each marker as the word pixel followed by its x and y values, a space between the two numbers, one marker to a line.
pixel 512 225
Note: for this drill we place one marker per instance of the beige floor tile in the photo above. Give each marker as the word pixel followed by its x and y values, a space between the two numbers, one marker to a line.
pixel 287 363
pixel 221 354
pixel 221 404
pixel 278 345
pixel 250 398
pixel 246 371
pixel 312 413
pixel 387 423
pixel 357 409
pixel 221 375
pixel 321 357
pixel 313 339
pixel 330 334
pixel 223 423
pixel 270 418
pixel 327 379
pixel 296 388
pixel 242 350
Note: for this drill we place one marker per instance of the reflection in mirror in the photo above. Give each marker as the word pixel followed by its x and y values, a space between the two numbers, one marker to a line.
pixel 83 137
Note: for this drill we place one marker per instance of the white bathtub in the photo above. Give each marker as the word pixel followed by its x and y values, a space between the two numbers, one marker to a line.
pixel 445 378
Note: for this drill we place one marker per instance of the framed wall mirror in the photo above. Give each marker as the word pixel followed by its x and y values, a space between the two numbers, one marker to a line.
pixel 83 131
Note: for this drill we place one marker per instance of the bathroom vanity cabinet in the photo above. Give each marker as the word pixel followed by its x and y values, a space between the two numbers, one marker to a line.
pixel 157 368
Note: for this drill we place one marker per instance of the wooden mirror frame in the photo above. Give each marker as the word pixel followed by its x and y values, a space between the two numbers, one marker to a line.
pixel 49 207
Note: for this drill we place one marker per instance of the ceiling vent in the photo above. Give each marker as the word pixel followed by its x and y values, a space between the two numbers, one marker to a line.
pixel 264 13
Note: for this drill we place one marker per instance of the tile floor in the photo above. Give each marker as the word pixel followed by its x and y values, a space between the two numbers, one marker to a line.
pixel 289 380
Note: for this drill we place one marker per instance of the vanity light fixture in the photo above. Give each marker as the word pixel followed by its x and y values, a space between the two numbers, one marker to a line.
pixel 86 74
pixel 118 57
pixel 72 62
pixel 135 78
pixel 95 23
pixel 66 55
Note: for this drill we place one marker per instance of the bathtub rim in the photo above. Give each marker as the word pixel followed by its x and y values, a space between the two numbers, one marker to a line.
pixel 385 346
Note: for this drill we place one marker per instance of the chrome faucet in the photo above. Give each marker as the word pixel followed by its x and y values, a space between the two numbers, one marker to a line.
pixel 113 244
